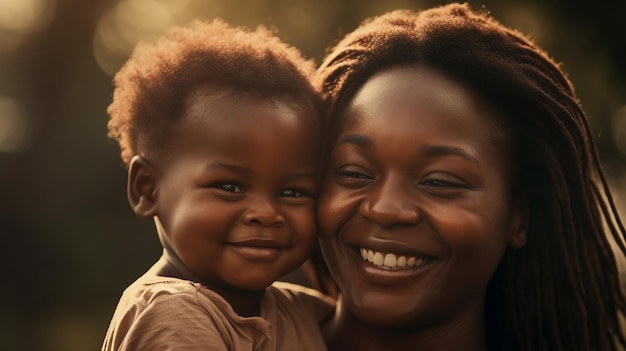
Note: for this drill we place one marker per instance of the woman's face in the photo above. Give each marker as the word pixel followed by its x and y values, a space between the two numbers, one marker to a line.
pixel 416 209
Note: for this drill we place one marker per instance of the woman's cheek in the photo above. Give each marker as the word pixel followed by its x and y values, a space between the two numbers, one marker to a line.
pixel 334 207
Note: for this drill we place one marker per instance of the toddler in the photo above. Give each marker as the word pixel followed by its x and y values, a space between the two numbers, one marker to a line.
pixel 218 127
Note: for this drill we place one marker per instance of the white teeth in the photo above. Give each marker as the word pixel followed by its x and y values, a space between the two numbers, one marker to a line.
pixel 389 260
pixel 378 259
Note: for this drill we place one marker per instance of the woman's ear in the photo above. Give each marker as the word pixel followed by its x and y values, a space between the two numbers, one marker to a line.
pixel 141 187
pixel 518 239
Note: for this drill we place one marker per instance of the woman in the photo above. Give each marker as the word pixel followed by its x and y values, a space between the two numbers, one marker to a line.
pixel 464 201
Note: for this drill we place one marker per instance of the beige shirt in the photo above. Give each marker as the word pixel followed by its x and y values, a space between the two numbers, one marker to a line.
pixel 161 313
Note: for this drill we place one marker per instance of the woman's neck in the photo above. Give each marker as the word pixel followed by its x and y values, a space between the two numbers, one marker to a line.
pixel 347 332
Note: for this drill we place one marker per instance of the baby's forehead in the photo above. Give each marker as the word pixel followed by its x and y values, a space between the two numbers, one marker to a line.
pixel 246 133
pixel 227 105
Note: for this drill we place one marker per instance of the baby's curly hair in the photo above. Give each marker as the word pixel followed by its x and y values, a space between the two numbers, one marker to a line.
pixel 151 88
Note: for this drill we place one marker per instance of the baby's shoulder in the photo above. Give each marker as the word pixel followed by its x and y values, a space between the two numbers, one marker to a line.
pixel 149 288
pixel 169 293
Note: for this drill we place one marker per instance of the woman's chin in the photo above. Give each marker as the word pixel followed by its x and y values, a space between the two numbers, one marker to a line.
pixel 382 313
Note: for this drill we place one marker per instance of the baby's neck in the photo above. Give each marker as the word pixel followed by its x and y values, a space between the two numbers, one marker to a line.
pixel 246 303
pixel 346 332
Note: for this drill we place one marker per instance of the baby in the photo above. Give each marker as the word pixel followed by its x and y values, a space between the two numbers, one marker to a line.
pixel 218 127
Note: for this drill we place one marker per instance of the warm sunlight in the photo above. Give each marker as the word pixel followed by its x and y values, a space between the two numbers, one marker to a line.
pixel 18 18
pixel 130 21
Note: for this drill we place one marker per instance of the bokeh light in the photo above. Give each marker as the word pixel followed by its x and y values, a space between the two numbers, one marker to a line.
pixel 129 22
pixel 17 127
pixel 20 18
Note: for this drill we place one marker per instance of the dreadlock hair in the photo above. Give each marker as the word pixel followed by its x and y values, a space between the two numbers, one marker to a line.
pixel 562 290
pixel 152 87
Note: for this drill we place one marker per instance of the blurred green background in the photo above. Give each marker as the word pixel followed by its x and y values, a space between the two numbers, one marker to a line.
pixel 70 243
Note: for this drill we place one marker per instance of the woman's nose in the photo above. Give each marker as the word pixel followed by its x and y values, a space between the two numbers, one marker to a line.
pixel 264 212
pixel 390 203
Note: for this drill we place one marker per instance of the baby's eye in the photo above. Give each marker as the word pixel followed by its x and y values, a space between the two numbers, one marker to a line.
pixel 290 193
pixel 232 188
pixel 294 193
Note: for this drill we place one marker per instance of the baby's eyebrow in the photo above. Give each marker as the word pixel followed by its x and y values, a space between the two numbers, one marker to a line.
pixel 359 140
pixel 229 167
pixel 296 175
pixel 301 175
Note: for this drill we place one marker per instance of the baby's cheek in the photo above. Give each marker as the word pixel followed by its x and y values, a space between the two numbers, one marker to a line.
pixel 304 224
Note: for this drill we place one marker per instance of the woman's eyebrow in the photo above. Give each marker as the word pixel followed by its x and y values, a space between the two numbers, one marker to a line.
pixel 363 141
pixel 441 150
pixel 359 140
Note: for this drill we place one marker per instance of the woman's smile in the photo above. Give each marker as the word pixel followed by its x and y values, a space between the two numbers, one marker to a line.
pixel 383 259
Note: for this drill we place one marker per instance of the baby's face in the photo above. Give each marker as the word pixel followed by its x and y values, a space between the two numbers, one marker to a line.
pixel 236 187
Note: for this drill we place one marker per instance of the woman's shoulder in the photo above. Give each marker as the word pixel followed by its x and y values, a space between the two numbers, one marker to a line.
pixel 296 296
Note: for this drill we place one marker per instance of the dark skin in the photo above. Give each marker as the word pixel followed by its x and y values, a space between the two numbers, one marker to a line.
pixel 416 213
pixel 232 193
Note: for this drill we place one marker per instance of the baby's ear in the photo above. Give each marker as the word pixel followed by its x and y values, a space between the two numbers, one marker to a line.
pixel 141 187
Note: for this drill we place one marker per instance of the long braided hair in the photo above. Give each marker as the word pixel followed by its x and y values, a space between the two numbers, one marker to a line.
pixel 562 290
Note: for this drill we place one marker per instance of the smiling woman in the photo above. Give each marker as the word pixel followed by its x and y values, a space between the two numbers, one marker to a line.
pixel 460 208
pixel 438 195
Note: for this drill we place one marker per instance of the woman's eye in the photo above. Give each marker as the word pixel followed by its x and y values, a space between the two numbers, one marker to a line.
pixel 352 177
pixel 445 187
pixel 442 183
pixel 232 188
pixel 352 172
